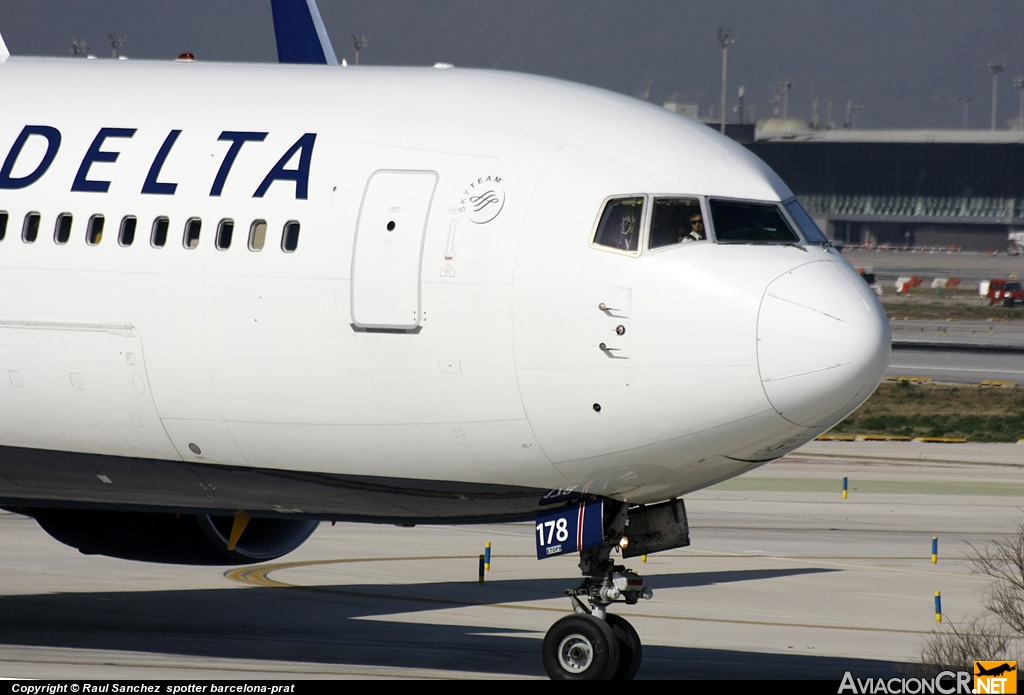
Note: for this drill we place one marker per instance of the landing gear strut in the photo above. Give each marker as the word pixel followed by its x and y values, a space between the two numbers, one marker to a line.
pixel 593 644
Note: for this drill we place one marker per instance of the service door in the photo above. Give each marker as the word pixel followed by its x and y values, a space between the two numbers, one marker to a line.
pixel 388 250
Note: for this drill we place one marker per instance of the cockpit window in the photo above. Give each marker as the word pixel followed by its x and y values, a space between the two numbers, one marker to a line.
pixel 806 224
pixel 620 224
pixel 750 223
pixel 676 221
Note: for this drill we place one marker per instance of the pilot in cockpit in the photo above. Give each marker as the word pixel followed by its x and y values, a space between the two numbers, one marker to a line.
pixel 696 231
pixel 676 221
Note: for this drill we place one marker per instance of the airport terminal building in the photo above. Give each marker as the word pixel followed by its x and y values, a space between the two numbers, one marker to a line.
pixel 924 188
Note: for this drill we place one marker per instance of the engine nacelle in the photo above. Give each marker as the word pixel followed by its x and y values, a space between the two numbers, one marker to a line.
pixel 183 539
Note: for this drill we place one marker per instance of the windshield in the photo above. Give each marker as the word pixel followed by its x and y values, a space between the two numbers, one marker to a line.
pixel 806 224
pixel 750 223
pixel 619 227
pixel 676 221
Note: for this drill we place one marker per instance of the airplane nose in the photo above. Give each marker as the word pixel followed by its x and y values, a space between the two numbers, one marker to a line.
pixel 822 343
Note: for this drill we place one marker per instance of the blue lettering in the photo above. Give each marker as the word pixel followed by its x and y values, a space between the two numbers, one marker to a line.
pixel 52 136
pixel 95 154
pixel 300 176
pixel 237 139
pixel 152 185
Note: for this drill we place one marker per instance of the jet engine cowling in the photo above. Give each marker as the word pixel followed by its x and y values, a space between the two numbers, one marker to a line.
pixel 184 539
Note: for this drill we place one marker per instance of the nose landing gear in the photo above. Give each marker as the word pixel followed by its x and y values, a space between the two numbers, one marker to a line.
pixel 593 644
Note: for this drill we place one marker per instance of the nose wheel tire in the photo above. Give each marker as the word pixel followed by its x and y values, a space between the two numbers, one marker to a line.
pixel 581 647
pixel 630 649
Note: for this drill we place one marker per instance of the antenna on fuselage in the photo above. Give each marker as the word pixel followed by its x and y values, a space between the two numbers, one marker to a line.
pixel 4 53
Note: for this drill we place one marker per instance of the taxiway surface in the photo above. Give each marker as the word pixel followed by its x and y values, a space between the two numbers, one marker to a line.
pixel 784 580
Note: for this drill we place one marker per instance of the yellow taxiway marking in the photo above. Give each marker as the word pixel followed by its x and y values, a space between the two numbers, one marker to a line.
pixel 259 576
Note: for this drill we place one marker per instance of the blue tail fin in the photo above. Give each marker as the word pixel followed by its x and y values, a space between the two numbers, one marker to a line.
pixel 300 33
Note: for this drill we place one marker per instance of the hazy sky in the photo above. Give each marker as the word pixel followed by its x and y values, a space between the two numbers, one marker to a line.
pixel 905 61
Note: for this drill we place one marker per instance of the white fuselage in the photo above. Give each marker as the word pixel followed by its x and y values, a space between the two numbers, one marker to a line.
pixel 460 345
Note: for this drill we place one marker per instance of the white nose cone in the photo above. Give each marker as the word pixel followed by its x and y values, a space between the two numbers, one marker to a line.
pixel 822 343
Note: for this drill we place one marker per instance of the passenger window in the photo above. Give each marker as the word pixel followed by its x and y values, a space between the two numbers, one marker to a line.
pixel 94 234
pixel 257 235
pixel 126 235
pixel 224 231
pixel 805 223
pixel 191 237
pixel 676 221
pixel 30 229
pixel 290 237
pixel 3 225
pixel 159 233
pixel 619 227
pixel 750 223
pixel 62 230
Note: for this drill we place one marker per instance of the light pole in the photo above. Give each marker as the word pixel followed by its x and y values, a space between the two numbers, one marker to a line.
pixel 743 90
pixel 115 44
pixel 996 68
pixel 851 114
pixel 785 86
pixel 724 39
pixel 965 101
pixel 1018 82
pixel 359 42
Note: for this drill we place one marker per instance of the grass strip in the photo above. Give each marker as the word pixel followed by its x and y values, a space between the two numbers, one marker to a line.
pixel 924 409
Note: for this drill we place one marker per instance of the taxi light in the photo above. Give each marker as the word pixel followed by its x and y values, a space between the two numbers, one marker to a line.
pixel 624 542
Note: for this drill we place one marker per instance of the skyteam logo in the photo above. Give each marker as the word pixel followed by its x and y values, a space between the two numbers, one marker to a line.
pixel 483 199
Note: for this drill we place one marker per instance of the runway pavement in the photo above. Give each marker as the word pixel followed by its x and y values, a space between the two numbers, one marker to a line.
pixel 971 268
pixel 957 366
pixel 784 580
pixel 978 334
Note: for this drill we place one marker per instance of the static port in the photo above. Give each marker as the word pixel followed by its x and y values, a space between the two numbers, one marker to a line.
pixel 597 407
